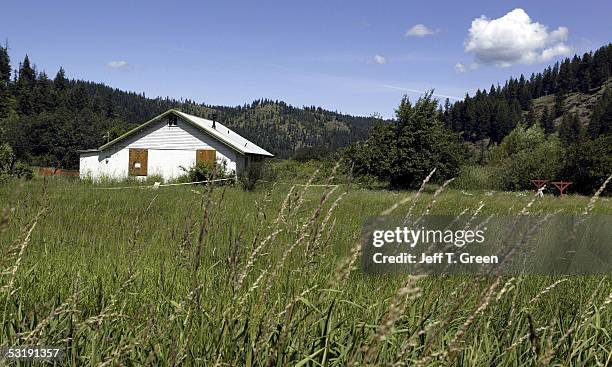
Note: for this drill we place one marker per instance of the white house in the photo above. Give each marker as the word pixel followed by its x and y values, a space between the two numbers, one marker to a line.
pixel 166 143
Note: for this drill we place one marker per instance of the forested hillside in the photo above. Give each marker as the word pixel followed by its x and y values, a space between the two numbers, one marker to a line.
pixel 565 111
pixel 554 126
pixel 574 85
pixel 46 120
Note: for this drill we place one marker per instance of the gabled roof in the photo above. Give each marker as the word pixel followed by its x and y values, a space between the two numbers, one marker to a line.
pixel 220 132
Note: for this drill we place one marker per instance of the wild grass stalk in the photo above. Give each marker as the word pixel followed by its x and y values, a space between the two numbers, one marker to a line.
pixel 273 279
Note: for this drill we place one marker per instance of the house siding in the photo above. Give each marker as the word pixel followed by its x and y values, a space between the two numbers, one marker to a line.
pixel 169 149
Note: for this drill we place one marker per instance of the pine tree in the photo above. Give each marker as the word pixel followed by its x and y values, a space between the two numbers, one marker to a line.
pixel 547 81
pixel 5 78
pixel 492 91
pixel 574 73
pixel 5 66
pixel 559 104
pixel 547 121
pixel 554 87
pixel 27 74
pixel 24 87
pixel 60 82
pixel 570 130
pixel 601 119
pixel 42 95
pixel 600 69
pixel 447 114
pixel 584 73
pixel 524 93
pixel 421 144
pixel 530 118
pixel 565 77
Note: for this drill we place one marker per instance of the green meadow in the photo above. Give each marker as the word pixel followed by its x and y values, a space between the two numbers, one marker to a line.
pixel 216 276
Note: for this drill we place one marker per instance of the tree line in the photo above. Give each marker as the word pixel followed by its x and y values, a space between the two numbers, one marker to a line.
pixel 495 140
pixel 46 120
pixel 494 113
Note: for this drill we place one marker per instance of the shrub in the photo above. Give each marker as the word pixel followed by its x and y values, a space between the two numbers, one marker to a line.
pixel 151 179
pixel 526 154
pixel 203 172
pixel 588 165
pixel 476 177
pixel 315 153
pixel 22 170
pixel 405 152
pixel 6 158
pixel 10 167
pixel 251 174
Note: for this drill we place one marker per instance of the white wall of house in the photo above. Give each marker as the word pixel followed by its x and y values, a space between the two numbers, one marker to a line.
pixel 169 148
pixel 97 165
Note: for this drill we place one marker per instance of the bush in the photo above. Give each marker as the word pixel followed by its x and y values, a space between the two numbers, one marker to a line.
pixel 588 165
pixel 315 153
pixel 251 174
pixel 405 152
pixel 22 170
pixel 476 178
pixel 524 155
pixel 151 179
pixel 9 167
pixel 6 158
pixel 203 172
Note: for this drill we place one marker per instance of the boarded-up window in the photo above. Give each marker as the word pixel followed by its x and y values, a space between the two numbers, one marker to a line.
pixel 206 156
pixel 139 159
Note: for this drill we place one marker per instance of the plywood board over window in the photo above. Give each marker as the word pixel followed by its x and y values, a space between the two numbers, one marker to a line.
pixel 206 156
pixel 139 159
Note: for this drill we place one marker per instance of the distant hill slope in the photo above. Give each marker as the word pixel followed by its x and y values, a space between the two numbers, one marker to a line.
pixel 583 104
pixel 573 85
pixel 274 125
pixel 283 128
pixel 47 120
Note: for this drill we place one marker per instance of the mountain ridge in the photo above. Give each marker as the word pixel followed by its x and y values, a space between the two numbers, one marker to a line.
pixel 46 121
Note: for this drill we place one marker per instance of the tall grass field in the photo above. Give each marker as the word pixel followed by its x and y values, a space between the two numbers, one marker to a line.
pixel 215 276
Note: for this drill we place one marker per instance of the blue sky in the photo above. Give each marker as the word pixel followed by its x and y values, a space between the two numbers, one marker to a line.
pixel 356 57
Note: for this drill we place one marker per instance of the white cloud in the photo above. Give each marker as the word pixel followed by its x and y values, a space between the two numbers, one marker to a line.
pixel 514 39
pixel 461 68
pixel 560 49
pixel 379 59
pixel 419 30
pixel 118 64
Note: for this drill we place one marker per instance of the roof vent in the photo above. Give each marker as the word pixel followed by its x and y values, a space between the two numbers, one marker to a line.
pixel 213 116
pixel 172 120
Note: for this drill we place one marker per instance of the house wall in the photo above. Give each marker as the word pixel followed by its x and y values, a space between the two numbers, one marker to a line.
pixel 169 148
